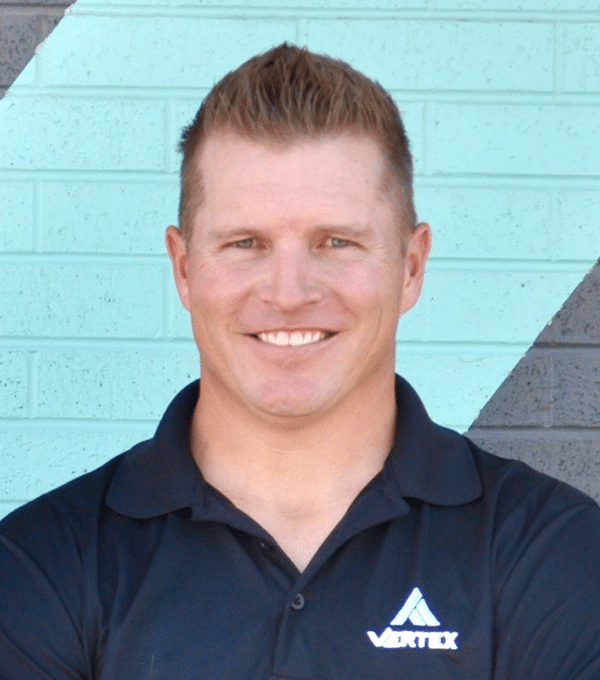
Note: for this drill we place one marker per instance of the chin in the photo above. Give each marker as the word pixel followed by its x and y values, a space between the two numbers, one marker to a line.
pixel 291 398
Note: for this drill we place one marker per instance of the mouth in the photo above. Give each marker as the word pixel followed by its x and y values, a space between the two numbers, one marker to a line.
pixel 296 338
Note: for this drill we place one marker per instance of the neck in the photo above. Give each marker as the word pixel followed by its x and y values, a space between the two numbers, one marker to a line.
pixel 297 482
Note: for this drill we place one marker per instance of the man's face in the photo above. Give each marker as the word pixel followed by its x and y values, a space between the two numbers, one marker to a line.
pixel 294 274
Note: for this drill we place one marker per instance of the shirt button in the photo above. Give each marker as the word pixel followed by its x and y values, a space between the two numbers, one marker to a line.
pixel 298 602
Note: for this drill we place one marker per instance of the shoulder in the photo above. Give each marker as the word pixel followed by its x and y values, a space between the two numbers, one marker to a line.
pixel 48 550
pixel 545 571
pixel 48 578
pixel 540 526
pixel 511 486
pixel 64 517
pixel 59 534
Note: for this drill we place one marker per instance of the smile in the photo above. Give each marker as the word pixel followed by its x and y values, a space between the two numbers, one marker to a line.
pixel 293 338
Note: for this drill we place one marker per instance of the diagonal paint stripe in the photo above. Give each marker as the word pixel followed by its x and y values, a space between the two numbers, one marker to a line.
pixel 546 412
pixel 23 28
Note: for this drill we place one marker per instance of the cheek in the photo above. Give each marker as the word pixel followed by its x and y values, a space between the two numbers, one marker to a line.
pixel 371 288
pixel 213 287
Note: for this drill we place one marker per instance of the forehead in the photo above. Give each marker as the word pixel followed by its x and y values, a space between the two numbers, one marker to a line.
pixel 339 173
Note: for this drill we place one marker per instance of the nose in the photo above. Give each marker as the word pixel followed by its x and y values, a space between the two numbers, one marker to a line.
pixel 290 278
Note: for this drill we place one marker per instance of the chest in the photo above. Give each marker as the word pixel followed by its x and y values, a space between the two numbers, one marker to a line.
pixel 402 599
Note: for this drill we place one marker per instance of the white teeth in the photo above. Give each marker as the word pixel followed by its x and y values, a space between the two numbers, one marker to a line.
pixel 293 339
pixel 296 338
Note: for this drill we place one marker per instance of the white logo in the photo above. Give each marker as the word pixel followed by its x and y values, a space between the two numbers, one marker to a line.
pixel 417 611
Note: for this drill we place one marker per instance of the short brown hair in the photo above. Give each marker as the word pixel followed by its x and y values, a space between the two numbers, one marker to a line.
pixel 288 93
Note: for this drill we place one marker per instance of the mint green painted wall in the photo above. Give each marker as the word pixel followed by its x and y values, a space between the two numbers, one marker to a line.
pixel 501 100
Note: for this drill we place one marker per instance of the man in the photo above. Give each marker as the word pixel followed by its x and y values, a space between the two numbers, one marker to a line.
pixel 297 515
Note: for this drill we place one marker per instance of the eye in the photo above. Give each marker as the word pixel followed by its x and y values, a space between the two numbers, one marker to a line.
pixel 244 244
pixel 336 242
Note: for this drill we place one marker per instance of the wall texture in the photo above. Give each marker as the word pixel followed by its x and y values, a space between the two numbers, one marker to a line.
pixel 547 411
pixel 502 102
pixel 23 27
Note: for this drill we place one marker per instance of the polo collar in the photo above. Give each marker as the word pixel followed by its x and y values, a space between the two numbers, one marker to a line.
pixel 159 476
pixel 427 463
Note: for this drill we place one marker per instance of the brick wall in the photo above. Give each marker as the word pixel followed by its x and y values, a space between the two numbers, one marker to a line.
pixel 23 26
pixel 501 100
pixel 547 411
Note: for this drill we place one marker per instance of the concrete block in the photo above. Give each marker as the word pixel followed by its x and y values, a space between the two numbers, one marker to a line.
pixel 157 51
pixel 320 4
pixel 581 58
pixel 81 133
pixel 574 460
pixel 488 223
pixel 520 5
pixel 38 459
pixel 81 300
pixel 115 384
pixel 576 387
pixel 51 17
pixel 453 382
pixel 59 4
pixel 16 201
pixel 514 139
pixel 579 224
pixel 498 305
pixel 525 398
pixel 107 217
pixel 477 55
pixel 548 389
pixel 18 38
pixel 77 7
pixel 13 384
pixel 578 320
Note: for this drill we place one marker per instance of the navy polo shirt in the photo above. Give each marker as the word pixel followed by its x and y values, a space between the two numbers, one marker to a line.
pixel 451 564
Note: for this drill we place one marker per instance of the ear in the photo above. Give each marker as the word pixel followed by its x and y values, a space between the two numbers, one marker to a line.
pixel 415 259
pixel 177 249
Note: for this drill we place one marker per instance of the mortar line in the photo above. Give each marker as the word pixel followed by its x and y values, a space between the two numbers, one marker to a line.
pixel 33 376
pixel 357 12
pixel 37 199
pixel 168 134
pixel 302 30
pixel 557 65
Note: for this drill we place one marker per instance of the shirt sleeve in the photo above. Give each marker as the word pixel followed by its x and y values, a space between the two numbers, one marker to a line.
pixel 40 622
pixel 548 595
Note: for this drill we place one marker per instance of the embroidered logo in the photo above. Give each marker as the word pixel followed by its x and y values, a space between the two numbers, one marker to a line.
pixel 416 610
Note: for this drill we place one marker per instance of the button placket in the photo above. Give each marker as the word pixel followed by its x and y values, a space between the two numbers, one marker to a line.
pixel 298 602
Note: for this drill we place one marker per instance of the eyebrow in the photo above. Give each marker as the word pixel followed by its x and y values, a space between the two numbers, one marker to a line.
pixel 229 233
pixel 349 230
